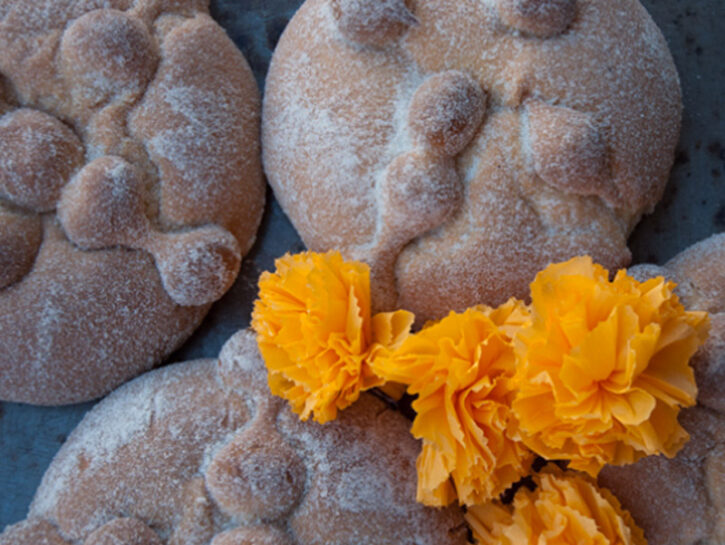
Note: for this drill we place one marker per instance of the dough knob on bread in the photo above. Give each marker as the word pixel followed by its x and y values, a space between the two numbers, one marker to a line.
pixel 372 22
pixel 446 111
pixel 419 192
pixel 197 267
pixel 107 53
pixel 20 238
pixel 257 476
pixel 569 152
pixel 123 531
pixel 103 205
pixel 260 535
pixel 38 155
pixel 541 18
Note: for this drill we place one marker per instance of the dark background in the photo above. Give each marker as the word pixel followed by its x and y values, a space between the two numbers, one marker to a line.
pixel 693 208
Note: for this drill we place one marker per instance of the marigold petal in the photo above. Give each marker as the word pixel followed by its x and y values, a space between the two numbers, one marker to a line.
pixel 487 522
pixel 434 484
pixel 633 407
pixel 635 358
pixel 390 329
pixel 394 390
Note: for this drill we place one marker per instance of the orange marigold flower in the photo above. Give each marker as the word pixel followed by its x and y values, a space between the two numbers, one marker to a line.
pixel 461 369
pixel 602 370
pixel 314 331
pixel 566 507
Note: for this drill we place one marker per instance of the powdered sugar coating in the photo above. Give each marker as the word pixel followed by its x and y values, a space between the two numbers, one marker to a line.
pixel 123 530
pixel 335 117
pixel 105 88
pixel 252 536
pixel 681 501
pixel 148 452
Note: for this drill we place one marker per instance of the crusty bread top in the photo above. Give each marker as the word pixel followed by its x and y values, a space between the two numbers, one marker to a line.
pixel 458 146
pixel 130 187
pixel 200 452
pixel 682 501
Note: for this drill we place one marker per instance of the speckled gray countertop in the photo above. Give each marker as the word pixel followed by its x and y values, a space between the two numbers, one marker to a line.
pixel 693 208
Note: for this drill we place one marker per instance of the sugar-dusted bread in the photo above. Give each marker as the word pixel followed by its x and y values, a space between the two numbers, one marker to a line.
pixel 459 146
pixel 130 187
pixel 681 501
pixel 200 452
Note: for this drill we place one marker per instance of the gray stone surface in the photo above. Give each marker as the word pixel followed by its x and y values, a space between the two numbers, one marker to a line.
pixel 692 209
pixel 693 206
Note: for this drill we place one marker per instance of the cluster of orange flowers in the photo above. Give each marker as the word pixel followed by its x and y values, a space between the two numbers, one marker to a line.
pixel 593 371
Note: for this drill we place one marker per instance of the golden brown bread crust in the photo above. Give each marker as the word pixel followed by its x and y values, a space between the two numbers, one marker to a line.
pixel 201 452
pixel 580 103
pixel 681 501
pixel 130 187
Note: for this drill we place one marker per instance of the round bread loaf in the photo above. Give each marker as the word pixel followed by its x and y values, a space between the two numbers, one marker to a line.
pixel 681 501
pixel 130 187
pixel 458 146
pixel 200 452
